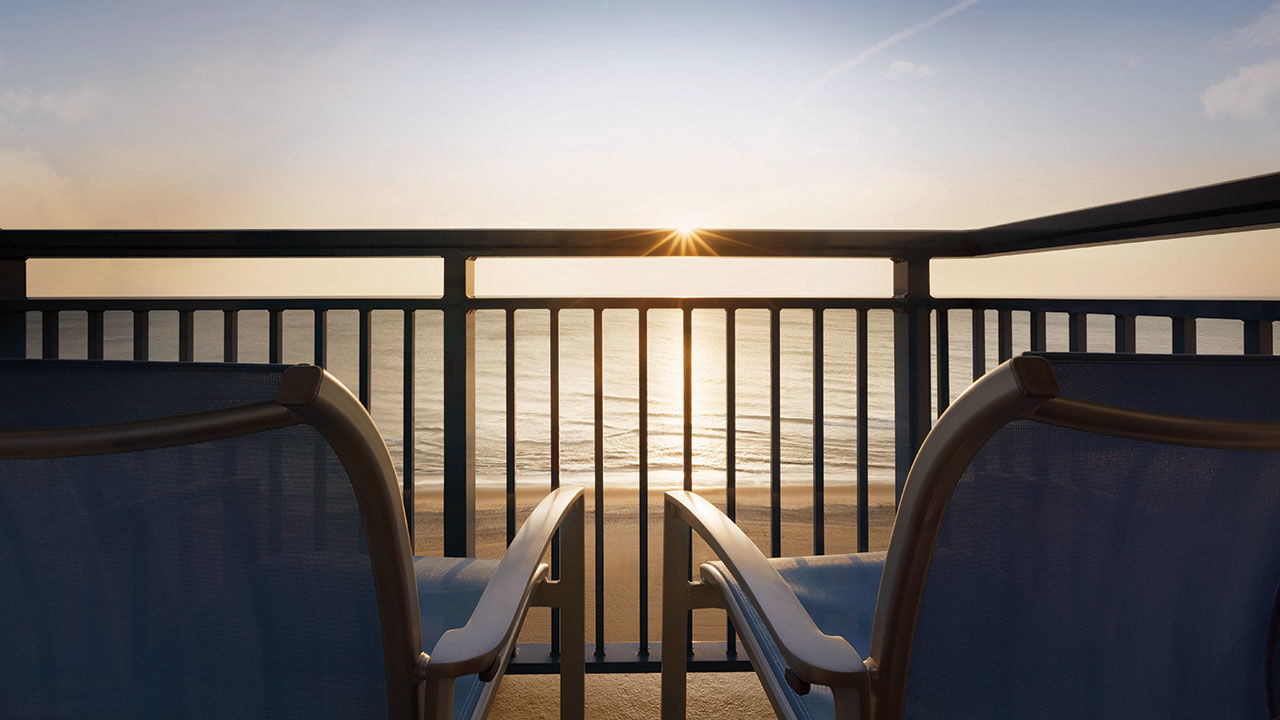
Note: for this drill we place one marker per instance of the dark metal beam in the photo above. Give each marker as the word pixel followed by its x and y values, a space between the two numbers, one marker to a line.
pixel 1248 204
pixel 21 244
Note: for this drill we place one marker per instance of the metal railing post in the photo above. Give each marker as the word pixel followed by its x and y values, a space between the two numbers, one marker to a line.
pixel 911 367
pixel 13 325
pixel 459 407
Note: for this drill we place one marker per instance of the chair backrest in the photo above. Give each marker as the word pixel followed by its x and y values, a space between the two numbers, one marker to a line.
pixel 217 563
pixel 1077 572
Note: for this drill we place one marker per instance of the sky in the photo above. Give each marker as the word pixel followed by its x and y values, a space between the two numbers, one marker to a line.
pixel 618 113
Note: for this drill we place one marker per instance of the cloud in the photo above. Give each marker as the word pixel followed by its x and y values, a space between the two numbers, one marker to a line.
pixel 904 69
pixel 67 107
pixel 1263 32
pixel 816 86
pixel 1246 94
pixel 34 194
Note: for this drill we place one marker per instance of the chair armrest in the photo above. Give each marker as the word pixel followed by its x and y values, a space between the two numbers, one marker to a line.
pixel 475 647
pixel 811 655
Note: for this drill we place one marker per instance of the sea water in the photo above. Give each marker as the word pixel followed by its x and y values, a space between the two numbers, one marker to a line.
pixel 620 421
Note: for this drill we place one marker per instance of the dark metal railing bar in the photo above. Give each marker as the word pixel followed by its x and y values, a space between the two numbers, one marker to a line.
pixel 141 335
pixel 1004 334
pixel 223 304
pixel 597 332
pixel 944 360
pixel 186 335
pixel 864 515
pixel 979 343
pixel 819 427
pixel 553 355
pixel 1198 308
pixel 231 336
pixel 642 414
pixel 1039 331
pixel 1258 337
pixel 775 433
pixel 686 324
pixel 49 335
pixel 408 416
pixel 511 423
pixel 678 303
pixel 1077 332
pixel 1184 335
pixel 730 441
pixel 97 336
pixel 366 359
pixel 1126 334
pixel 275 336
pixel 320 338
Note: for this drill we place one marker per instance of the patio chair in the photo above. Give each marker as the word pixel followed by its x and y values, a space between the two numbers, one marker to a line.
pixel 1079 536
pixel 190 540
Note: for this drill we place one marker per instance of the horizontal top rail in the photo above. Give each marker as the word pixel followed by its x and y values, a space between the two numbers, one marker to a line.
pixel 1247 204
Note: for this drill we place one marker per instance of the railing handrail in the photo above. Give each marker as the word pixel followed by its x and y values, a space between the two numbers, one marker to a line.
pixel 1245 204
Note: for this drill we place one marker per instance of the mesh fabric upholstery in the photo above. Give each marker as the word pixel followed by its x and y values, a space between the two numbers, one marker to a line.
pixel 448 590
pixel 1082 575
pixel 838 592
pixel 215 580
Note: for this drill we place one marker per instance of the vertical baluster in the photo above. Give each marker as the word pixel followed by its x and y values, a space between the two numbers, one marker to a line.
pixel 141 335
pixel 1258 337
pixel 13 323
pixel 1004 334
pixel 944 360
pixel 97 337
pixel 730 439
pixel 459 384
pixel 49 334
pixel 366 359
pixel 819 426
pixel 186 335
pixel 1126 334
pixel 1039 331
pixel 598 345
pixel 511 423
pixel 775 433
pixel 553 355
pixel 231 335
pixel 864 515
pixel 979 343
pixel 409 415
pixel 687 392
pixel 320 338
pixel 275 337
pixel 642 414
pixel 1184 335
pixel 1077 332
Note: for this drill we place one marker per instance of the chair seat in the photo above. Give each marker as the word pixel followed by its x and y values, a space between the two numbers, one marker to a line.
pixel 838 591
pixel 448 590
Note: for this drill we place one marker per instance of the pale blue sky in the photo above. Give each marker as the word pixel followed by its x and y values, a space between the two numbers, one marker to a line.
pixel 611 113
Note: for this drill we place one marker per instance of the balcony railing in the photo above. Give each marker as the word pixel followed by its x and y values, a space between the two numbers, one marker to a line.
pixel 927 335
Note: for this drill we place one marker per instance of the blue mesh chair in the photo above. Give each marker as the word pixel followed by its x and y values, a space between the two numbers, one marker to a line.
pixel 183 540
pixel 1079 536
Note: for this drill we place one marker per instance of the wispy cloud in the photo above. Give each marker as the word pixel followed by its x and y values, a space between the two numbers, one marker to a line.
pixel 68 106
pixel 1245 95
pixel 845 66
pixel 1263 32
pixel 900 69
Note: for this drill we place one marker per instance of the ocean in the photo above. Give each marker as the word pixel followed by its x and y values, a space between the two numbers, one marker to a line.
pixel 621 387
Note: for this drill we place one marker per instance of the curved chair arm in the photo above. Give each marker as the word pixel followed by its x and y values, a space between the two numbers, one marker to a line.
pixel 476 647
pixel 811 655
